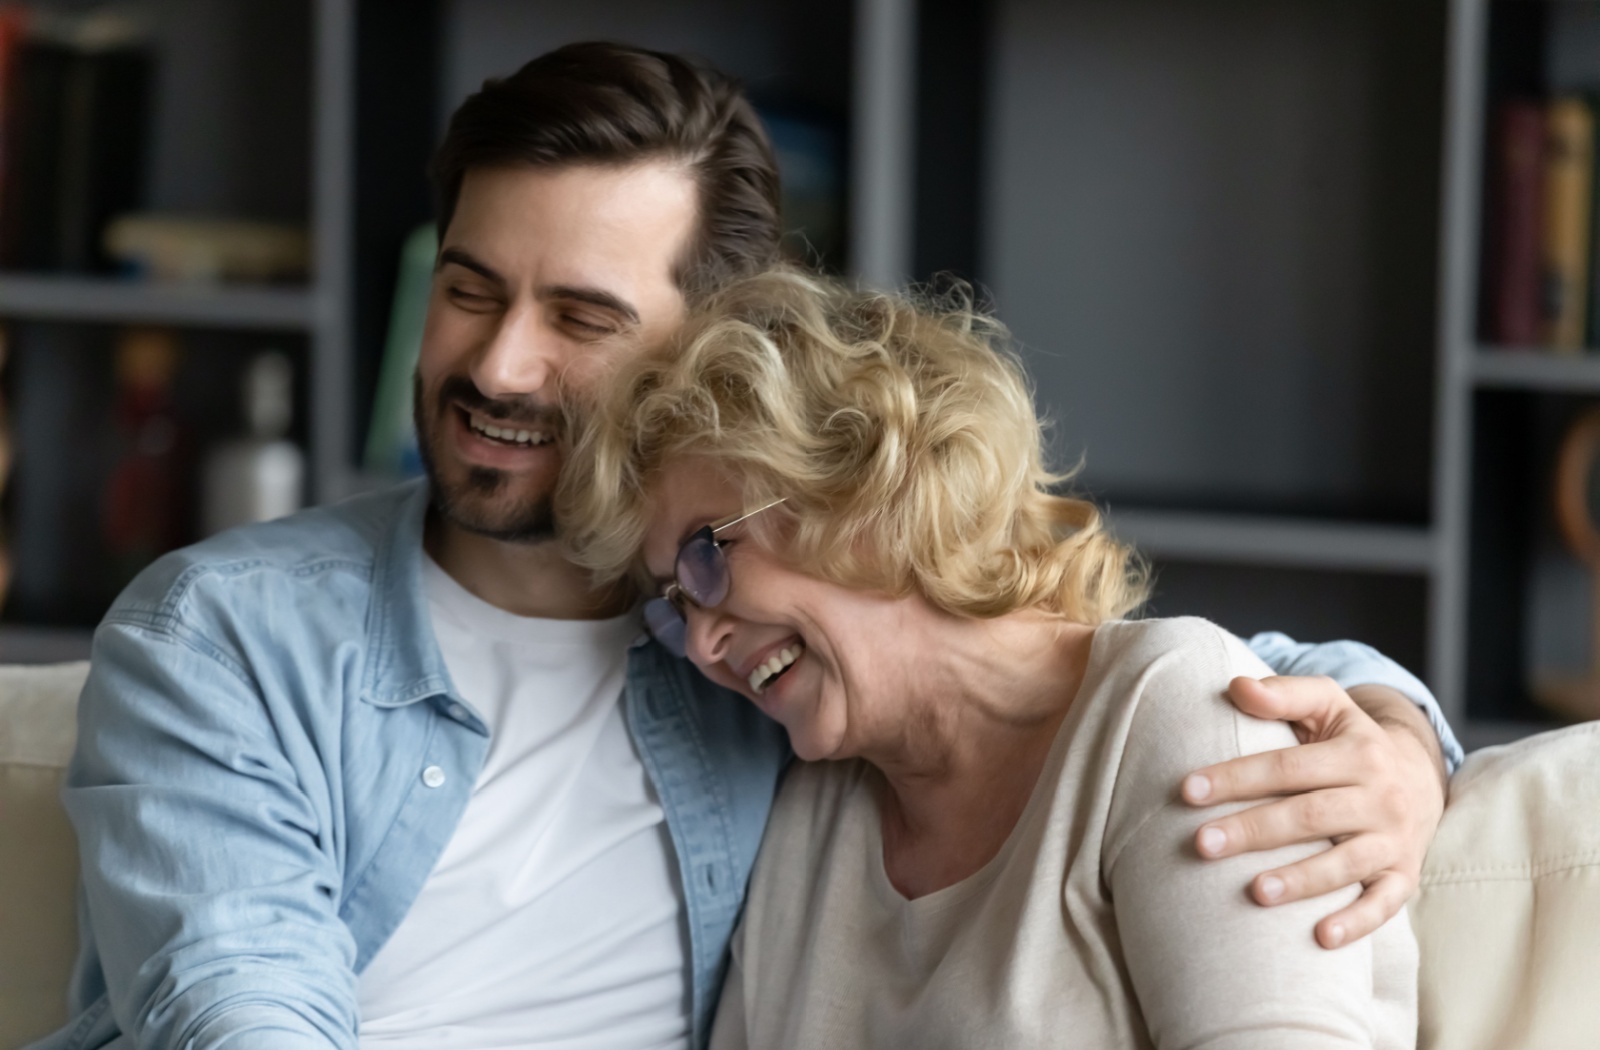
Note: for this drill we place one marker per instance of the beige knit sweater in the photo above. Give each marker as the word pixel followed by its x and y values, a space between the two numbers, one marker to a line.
pixel 1096 925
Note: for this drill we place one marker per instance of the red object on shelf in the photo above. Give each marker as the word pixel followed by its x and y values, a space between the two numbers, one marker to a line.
pixel 146 502
pixel 1513 292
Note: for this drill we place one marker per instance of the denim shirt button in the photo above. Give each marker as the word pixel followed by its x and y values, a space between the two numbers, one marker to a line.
pixel 433 776
pixel 458 712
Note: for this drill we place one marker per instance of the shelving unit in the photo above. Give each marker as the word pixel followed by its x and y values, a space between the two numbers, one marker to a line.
pixel 251 116
pixel 1500 409
pixel 326 112
pixel 1239 243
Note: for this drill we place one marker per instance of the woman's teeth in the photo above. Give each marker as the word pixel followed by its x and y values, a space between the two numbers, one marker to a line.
pixel 774 666
pixel 509 435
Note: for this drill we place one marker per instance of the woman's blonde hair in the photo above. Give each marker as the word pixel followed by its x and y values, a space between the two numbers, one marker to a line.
pixel 901 435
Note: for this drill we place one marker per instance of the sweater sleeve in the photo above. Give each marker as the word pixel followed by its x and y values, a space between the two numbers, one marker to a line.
pixel 1211 968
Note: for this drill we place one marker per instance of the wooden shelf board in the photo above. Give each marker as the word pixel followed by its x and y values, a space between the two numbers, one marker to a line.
pixel 107 300
pixel 1299 543
pixel 1534 369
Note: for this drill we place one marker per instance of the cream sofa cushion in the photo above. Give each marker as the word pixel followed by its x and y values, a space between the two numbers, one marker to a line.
pixel 1508 912
pixel 39 859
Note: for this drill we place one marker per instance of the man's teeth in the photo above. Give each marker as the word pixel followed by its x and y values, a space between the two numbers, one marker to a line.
pixel 765 672
pixel 510 435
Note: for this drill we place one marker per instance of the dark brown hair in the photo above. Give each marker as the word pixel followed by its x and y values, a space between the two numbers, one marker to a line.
pixel 611 104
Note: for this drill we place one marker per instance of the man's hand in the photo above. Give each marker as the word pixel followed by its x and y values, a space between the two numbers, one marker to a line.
pixel 1368 774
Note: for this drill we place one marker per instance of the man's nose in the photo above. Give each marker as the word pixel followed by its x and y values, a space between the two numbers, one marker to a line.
pixel 523 356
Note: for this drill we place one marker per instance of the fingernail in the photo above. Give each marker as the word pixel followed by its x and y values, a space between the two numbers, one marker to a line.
pixel 1212 840
pixel 1197 788
pixel 1335 935
pixel 1271 887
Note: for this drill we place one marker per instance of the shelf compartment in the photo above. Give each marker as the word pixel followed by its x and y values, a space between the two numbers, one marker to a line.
pixel 108 301
pixel 1295 543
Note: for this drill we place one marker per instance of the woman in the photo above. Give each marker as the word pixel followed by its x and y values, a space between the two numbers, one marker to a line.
pixel 841 503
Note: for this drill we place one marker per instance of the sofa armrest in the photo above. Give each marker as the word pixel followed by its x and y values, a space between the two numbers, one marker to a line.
pixel 39 863
pixel 1509 902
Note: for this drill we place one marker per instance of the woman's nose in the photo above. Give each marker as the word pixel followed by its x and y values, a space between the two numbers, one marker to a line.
pixel 709 634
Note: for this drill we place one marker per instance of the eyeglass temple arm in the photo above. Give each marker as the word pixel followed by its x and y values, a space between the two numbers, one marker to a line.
pixel 742 517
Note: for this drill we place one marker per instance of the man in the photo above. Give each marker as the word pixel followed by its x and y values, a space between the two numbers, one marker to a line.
pixel 390 773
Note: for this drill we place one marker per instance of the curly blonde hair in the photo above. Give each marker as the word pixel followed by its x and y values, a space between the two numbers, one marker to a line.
pixel 901 434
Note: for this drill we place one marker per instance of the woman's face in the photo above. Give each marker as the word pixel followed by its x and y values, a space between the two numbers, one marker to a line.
pixel 832 645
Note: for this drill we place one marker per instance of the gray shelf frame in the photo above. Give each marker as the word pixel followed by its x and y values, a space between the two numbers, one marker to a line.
pixel 1466 366
pixel 1285 543
pixel 40 297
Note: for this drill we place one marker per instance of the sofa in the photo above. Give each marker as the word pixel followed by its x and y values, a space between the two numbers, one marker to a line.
pixel 1507 914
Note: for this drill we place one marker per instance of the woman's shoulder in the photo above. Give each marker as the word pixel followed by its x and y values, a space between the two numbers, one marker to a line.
pixel 1163 685
pixel 1168 662
pixel 811 801
pixel 1189 638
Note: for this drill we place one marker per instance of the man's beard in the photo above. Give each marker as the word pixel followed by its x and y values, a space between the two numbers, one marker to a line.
pixel 473 503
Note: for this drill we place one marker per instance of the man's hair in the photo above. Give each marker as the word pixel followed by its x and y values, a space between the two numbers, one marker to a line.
pixel 613 105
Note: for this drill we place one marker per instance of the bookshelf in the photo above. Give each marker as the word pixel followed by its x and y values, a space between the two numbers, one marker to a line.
pixel 324 113
pixel 1214 229
pixel 1508 601
pixel 1240 244
pixel 249 116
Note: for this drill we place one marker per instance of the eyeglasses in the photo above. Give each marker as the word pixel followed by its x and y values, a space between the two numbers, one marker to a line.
pixel 700 575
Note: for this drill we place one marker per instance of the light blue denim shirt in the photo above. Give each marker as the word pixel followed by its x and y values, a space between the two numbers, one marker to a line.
pixel 271 758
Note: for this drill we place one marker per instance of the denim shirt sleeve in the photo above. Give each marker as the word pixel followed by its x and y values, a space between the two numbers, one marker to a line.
pixel 210 883
pixel 1352 664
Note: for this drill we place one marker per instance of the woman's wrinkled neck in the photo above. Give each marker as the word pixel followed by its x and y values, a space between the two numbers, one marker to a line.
pixel 970 692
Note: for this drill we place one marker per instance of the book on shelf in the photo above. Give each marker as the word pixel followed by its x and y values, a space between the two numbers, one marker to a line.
pixel 1540 231
pixel 1513 314
pixel 1568 195
pixel 74 111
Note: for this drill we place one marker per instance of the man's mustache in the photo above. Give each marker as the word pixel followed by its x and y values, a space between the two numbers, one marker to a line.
pixel 520 410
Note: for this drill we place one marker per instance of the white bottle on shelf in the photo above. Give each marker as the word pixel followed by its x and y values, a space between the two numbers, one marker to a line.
pixel 261 476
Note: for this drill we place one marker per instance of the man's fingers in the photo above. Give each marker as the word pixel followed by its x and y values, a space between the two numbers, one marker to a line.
pixel 1301 818
pixel 1288 698
pixel 1354 860
pixel 1266 773
pixel 1382 899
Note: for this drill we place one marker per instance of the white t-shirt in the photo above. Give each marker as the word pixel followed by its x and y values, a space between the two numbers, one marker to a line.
pixel 554 917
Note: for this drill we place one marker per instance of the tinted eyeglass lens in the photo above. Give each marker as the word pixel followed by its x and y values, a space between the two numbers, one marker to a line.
pixel 666 625
pixel 703 570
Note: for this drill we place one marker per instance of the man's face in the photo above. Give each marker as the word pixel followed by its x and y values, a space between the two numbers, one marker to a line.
pixel 537 269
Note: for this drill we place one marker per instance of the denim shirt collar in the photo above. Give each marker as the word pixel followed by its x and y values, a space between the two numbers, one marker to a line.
pixel 404 663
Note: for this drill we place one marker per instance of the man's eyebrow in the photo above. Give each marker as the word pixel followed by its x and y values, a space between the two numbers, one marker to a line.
pixel 594 297
pixel 465 260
